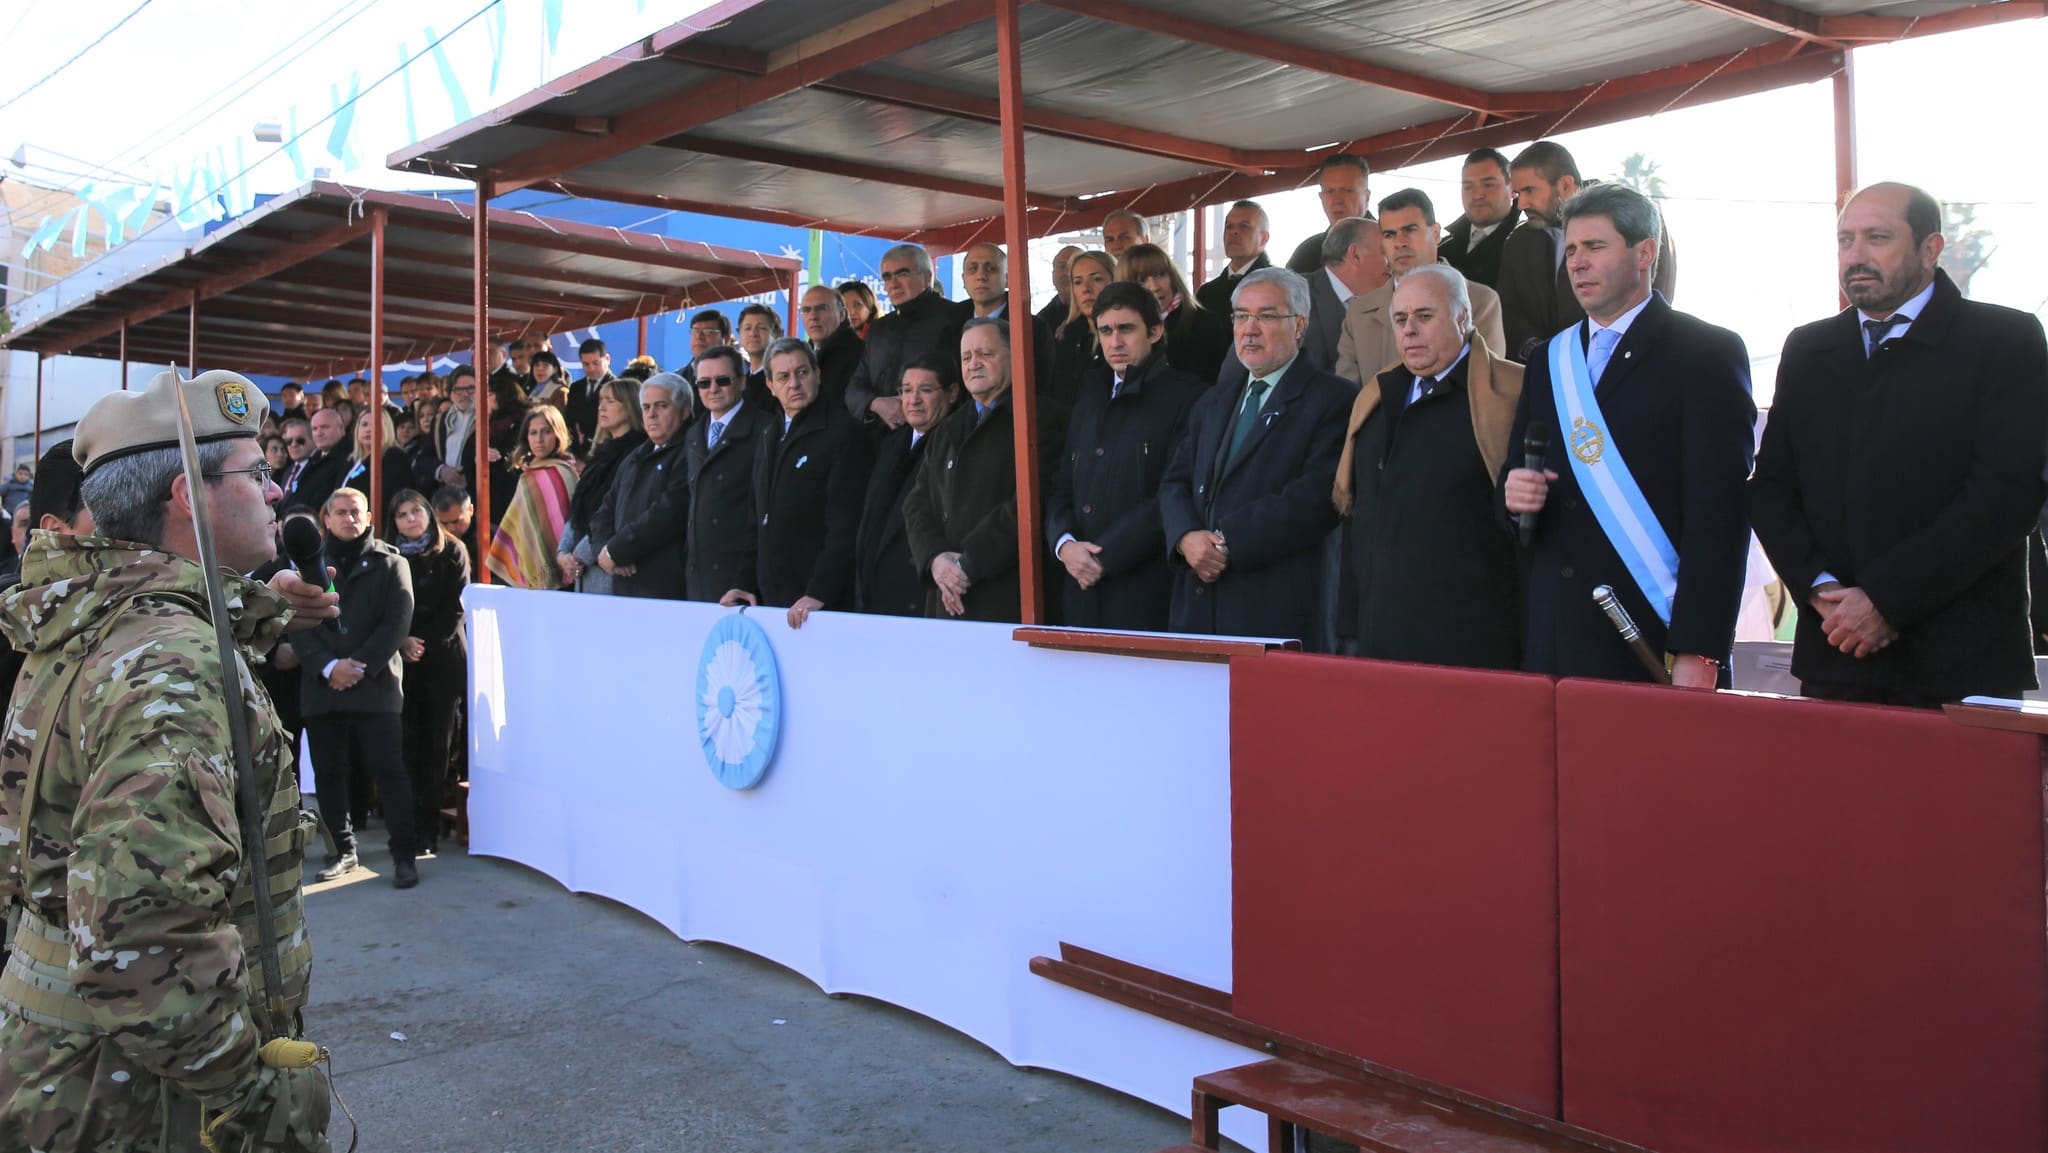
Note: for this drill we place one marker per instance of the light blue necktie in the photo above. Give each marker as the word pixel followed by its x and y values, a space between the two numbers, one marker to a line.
pixel 1601 352
pixel 717 430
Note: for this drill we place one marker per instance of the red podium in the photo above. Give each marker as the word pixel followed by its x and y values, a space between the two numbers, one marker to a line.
pixel 1492 911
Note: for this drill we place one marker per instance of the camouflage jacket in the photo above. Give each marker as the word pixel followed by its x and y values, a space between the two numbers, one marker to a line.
pixel 134 852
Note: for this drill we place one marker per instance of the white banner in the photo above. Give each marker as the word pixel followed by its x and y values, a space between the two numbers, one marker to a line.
pixel 945 804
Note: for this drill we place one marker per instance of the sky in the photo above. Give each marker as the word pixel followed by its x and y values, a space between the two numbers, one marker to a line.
pixel 1749 182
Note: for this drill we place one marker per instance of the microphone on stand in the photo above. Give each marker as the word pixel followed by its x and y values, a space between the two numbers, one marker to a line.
pixel 1534 444
pixel 302 547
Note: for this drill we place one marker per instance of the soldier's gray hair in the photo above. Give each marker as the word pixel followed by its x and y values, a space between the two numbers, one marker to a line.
pixel 1289 282
pixel 127 495
pixel 1455 286
pixel 914 253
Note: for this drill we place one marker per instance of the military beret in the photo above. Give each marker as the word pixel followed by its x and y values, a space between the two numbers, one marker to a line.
pixel 225 406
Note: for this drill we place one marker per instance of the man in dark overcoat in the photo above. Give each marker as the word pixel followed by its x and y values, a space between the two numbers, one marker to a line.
pixel 1102 503
pixel 886 578
pixel 1245 503
pixel 640 528
pixel 723 533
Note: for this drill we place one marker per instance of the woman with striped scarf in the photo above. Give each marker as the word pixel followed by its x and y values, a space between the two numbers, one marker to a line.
pixel 523 551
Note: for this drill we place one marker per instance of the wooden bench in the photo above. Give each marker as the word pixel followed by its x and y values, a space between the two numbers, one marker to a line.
pixel 1373 1113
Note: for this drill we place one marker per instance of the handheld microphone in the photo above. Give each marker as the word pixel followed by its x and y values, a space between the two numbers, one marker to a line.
pixel 302 548
pixel 1534 444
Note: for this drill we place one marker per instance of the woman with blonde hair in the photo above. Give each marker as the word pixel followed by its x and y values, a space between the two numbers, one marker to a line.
pixel 1197 341
pixel 1073 346
pixel 522 553
pixel 619 432
pixel 394 468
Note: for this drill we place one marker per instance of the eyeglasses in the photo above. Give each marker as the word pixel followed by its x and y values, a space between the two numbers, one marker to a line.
pixel 1241 318
pixel 261 472
pixel 465 390
pixel 296 440
pixel 717 381
pixel 897 274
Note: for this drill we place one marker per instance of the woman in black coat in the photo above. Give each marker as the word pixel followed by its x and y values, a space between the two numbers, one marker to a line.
pixel 396 469
pixel 619 432
pixel 1197 340
pixel 1073 346
pixel 1102 499
pixel 436 654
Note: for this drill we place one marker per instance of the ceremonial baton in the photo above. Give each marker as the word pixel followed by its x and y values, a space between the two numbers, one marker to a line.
pixel 1626 626
pixel 253 810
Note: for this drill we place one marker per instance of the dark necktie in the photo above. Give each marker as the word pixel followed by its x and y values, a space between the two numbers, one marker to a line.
pixel 1874 331
pixel 1247 415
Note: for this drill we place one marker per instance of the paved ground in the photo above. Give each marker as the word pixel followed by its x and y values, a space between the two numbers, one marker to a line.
pixel 535 1019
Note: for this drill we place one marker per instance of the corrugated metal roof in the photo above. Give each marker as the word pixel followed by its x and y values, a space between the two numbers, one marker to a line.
pixel 884 120
pixel 285 289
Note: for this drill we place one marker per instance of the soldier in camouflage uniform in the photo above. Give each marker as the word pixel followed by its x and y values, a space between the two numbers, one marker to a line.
pixel 132 999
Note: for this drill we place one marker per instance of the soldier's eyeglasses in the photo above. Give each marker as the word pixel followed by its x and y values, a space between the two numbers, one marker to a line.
pixel 261 472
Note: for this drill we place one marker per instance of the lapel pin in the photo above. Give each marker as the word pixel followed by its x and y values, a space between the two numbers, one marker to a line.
pixel 802 460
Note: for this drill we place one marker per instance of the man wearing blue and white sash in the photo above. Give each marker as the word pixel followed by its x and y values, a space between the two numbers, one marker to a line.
pixel 1650 435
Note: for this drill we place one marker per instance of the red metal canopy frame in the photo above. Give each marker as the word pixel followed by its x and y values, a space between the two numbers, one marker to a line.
pixel 738 110
pixel 329 278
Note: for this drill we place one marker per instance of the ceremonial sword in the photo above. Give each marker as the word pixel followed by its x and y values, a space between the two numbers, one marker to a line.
pixel 253 809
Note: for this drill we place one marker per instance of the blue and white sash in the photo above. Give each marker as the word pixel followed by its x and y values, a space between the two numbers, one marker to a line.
pixel 1610 489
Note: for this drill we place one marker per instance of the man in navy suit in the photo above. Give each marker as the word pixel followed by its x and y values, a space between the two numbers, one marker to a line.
pixel 719 547
pixel 1643 477
pixel 1900 476
pixel 1246 502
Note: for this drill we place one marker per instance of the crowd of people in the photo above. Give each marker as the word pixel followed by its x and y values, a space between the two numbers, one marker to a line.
pixel 1280 451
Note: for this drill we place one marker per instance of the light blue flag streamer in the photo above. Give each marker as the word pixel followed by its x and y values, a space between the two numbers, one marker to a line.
pixel 139 215
pixel 292 151
pixel 412 127
pixel 338 144
pixel 83 216
pixel 45 235
pixel 551 16
pixel 449 81
pixel 497 29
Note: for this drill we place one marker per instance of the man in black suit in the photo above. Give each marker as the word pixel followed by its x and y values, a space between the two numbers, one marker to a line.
pixel 350 686
pixel 920 321
pixel 1245 503
pixel 1102 498
pixel 886 579
pixel 810 474
pixel 324 470
pixel 1536 297
pixel 1247 230
pixel 1668 394
pixel 1122 229
pixel 720 543
pixel 985 278
pixel 838 346
pixel 1340 182
pixel 1354 265
pixel 961 513
pixel 1473 243
pixel 581 410
pixel 457 450
pixel 1054 314
pixel 1900 477
pixel 639 529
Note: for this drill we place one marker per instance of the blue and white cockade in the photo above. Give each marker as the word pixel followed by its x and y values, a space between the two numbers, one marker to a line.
pixel 739 701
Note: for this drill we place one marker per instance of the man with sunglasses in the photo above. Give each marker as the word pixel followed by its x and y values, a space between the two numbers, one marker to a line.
pixel 719 546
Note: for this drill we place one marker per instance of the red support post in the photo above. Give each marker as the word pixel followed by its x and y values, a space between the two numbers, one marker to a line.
pixel 124 354
pixel 1198 260
pixel 480 440
pixel 192 337
pixel 379 217
pixel 796 289
pixel 1017 229
pixel 643 338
